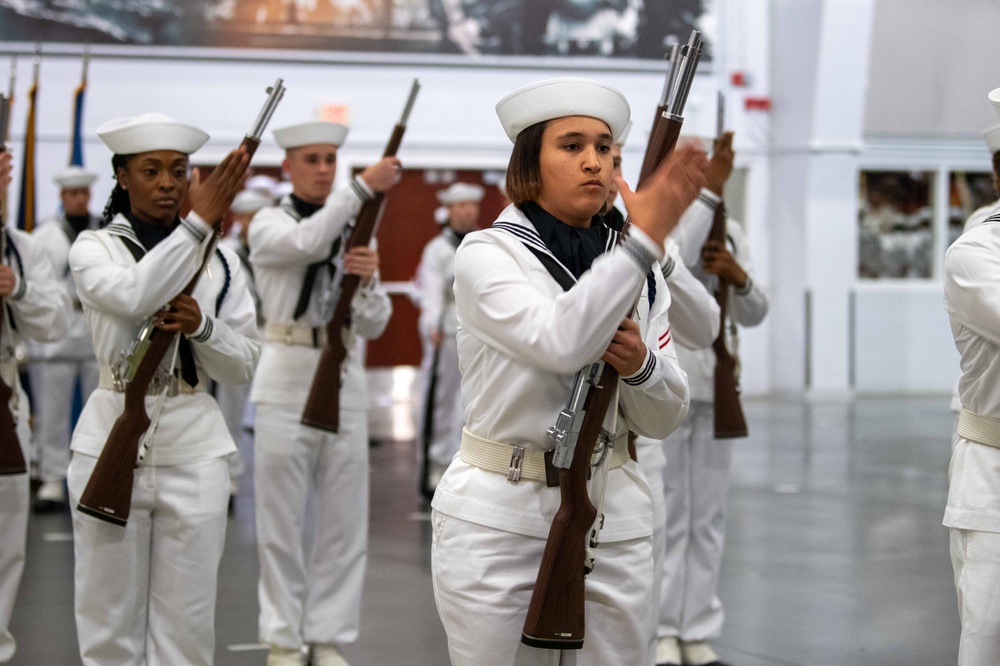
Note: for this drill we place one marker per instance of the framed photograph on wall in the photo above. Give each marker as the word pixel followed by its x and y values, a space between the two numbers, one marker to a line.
pixel 577 33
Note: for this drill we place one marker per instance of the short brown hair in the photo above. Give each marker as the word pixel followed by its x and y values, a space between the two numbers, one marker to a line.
pixel 524 172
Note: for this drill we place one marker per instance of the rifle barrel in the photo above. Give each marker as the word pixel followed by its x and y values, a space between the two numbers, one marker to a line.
pixel 274 95
pixel 414 89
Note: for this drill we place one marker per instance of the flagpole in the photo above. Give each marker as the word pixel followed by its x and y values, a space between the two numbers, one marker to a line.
pixel 76 139
pixel 26 211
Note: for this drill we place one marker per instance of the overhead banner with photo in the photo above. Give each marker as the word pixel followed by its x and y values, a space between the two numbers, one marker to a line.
pixel 626 29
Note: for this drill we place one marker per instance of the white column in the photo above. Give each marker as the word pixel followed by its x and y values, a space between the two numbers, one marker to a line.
pixel 819 74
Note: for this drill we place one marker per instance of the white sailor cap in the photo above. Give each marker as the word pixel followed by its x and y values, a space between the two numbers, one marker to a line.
pixel 150 131
pixel 307 134
pixel 992 137
pixel 563 96
pixel 250 201
pixel 460 192
pixel 261 183
pixel 74 177
pixel 994 98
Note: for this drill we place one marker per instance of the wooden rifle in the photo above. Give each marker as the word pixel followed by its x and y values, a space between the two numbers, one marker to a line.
pixel 556 617
pixel 729 420
pixel 11 456
pixel 108 495
pixel 322 409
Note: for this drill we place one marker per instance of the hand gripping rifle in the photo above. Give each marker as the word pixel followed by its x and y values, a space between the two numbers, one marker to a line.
pixel 322 408
pixel 729 420
pixel 555 619
pixel 11 456
pixel 108 495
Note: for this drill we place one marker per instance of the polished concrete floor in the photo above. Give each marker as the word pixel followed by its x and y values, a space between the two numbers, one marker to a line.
pixel 835 554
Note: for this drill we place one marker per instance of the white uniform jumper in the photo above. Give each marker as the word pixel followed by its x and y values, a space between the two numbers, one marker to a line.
pixel 38 307
pixel 57 366
pixel 978 216
pixel 309 595
pixel 437 312
pixel 521 340
pixel 696 477
pixel 145 594
pixel 972 299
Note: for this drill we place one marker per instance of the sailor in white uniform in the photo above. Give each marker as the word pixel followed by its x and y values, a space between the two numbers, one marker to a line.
pixel 696 477
pixel 56 367
pixel 971 290
pixel 38 309
pixel 992 137
pixel 441 425
pixel 145 593
pixel 521 340
pixel 311 597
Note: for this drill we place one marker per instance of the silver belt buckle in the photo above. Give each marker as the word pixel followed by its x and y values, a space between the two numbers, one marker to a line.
pixel 116 379
pixel 516 458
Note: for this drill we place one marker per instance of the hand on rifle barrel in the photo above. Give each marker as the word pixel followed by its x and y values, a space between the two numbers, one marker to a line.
pixel 361 261
pixel 383 175
pixel 717 260
pixel 657 206
pixel 721 165
pixel 182 314
pixel 627 351
pixel 7 280
pixel 212 199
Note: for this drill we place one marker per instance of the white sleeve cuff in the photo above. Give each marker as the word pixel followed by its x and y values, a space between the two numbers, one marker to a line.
pixel 644 373
pixel 20 287
pixel 204 331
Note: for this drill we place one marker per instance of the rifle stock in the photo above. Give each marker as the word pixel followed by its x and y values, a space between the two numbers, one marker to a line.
pixel 322 408
pixel 11 456
pixel 108 494
pixel 556 616
pixel 729 420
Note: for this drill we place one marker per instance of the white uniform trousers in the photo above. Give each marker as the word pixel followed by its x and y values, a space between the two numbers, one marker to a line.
pixel 448 418
pixel 232 399
pixel 15 497
pixel 653 463
pixel 52 383
pixel 311 576
pixel 145 593
pixel 975 558
pixel 695 486
pixel 483 580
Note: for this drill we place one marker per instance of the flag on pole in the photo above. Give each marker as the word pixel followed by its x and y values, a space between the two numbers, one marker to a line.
pixel 26 209
pixel 76 145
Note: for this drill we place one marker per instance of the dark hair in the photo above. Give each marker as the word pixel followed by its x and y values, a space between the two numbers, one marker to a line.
pixel 524 172
pixel 118 202
pixel 996 172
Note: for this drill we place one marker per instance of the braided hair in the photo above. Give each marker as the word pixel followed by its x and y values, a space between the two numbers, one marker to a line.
pixel 118 202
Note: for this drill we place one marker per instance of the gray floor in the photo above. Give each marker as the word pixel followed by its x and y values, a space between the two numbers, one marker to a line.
pixel 836 553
